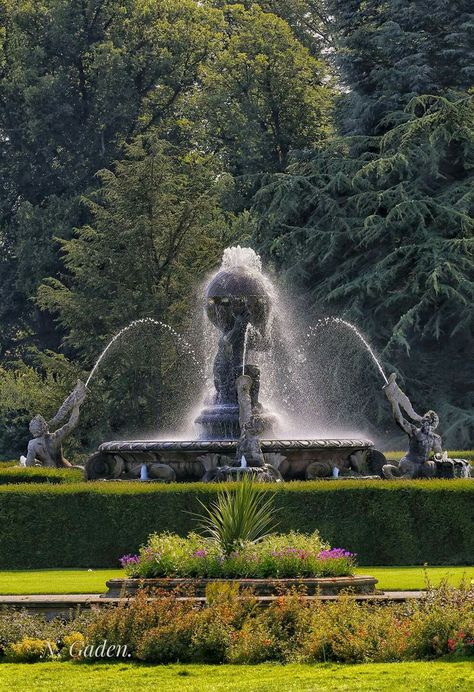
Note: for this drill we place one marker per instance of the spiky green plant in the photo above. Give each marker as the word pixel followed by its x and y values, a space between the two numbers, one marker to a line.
pixel 238 516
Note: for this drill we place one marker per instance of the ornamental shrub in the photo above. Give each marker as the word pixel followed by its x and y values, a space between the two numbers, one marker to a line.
pixel 240 515
pixel 16 625
pixel 288 620
pixel 446 616
pixel 29 650
pixel 212 633
pixel 170 641
pixel 346 632
pixel 130 622
pixel 252 643
pixel 72 644
pixel 232 627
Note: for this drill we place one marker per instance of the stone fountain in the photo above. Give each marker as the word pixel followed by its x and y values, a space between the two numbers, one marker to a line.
pixel 238 302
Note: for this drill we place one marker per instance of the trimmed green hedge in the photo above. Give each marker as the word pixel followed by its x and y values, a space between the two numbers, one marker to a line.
pixel 20 474
pixel 93 524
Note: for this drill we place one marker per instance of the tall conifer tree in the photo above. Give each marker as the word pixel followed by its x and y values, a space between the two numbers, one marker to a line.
pixel 378 226
pixel 389 52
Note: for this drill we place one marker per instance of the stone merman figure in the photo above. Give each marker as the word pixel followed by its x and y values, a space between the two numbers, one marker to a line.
pixel 45 449
pixel 422 439
pixel 251 426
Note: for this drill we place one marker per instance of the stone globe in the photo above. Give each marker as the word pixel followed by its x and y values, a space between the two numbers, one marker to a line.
pixel 235 291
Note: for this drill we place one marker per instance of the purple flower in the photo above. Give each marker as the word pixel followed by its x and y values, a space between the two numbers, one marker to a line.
pixel 336 554
pixel 127 560
pixel 200 553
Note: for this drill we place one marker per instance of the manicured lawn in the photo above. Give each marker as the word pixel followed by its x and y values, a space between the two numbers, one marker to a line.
pixel 433 676
pixel 56 581
pixel 413 578
pixel 93 581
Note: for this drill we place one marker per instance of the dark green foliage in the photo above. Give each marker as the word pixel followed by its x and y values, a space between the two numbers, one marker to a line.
pixel 77 78
pixel 155 220
pixel 161 205
pixel 262 95
pixel 389 52
pixel 84 525
pixel 89 91
pixel 308 19
pixel 380 231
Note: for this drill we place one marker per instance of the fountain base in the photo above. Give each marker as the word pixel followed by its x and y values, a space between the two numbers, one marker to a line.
pixel 195 459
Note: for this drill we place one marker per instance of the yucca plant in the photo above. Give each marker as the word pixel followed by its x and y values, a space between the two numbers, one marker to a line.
pixel 239 516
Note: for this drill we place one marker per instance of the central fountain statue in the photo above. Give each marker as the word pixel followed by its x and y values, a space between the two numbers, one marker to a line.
pixel 238 304
pixel 236 434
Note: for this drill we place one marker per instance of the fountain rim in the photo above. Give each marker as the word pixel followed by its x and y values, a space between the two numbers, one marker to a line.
pixel 268 445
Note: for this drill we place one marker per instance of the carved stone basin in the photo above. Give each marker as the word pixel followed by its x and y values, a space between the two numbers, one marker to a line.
pixel 192 460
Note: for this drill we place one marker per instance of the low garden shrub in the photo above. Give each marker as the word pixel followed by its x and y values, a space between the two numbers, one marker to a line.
pixel 292 629
pixel 29 650
pixel 275 556
pixel 21 631
pixel 453 454
pixel 233 628
pixel 92 524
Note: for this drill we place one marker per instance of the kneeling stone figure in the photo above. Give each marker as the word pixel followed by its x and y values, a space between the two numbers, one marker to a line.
pixel 422 439
pixel 45 449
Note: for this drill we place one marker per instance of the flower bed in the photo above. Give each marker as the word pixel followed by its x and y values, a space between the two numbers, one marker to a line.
pixel 276 564
pixel 276 556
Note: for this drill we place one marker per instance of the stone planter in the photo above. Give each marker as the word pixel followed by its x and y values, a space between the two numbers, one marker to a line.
pixel 323 586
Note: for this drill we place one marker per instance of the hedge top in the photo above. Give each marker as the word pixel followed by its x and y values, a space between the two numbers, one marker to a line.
pixel 136 487
pixel 19 475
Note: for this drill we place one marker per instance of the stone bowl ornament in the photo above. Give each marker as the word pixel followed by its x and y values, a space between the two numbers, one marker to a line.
pixel 236 291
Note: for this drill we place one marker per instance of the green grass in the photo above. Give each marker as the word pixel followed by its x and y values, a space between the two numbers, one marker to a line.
pixel 44 581
pixel 413 578
pixel 71 581
pixel 106 677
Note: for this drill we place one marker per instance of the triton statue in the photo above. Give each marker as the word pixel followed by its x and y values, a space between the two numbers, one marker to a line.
pixel 422 439
pixel 238 304
pixel 249 460
pixel 251 426
pixel 45 449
